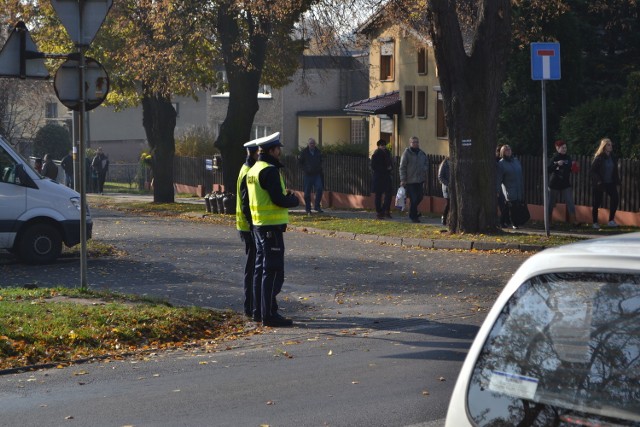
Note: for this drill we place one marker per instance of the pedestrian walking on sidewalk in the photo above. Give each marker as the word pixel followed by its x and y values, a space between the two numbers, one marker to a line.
pixel 313 180
pixel 510 181
pixel 444 176
pixel 381 167
pixel 605 179
pixel 414 167
pixel 559 170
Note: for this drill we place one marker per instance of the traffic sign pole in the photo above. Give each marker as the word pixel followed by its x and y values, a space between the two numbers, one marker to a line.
pixel 545 65
pixel 83 175
pixel 545 175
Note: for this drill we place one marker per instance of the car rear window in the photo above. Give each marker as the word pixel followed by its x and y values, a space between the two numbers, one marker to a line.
pixel 565 351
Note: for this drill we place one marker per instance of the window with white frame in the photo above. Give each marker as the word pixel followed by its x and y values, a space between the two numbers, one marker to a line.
pixel 422 60
pixel 222 84
pixel 258 131
pixel 222 87
pixel 441 124
pixel 359 129
pixel 421 102
pixel 387 65
pixel 264 91
pixel 51 110
pixel 409 95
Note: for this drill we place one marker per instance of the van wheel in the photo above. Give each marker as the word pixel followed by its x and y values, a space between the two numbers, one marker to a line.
pixel 40 244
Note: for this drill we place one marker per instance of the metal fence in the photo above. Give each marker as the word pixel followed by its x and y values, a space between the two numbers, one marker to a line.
pixel 352 175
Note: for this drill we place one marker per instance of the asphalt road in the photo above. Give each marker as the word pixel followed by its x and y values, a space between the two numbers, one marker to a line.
pixel 380 333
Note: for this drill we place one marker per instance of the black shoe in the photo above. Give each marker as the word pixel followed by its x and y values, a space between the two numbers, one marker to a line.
pixel 319 210
pixel 388 215
pixel 257 318
pixel 415 220
pixel 277 320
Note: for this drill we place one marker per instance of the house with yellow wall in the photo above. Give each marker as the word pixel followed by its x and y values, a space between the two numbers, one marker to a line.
pixel 404 92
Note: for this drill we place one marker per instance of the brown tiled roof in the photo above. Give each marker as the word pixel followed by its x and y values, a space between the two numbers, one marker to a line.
pixel 387 103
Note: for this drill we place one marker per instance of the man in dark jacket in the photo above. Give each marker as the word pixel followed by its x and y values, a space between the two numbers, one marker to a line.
pixel 414 167
pixel 381 167
pixel 311 162
pixel 67 167
pixel 269 202
pixel 100 165
pixel 49 169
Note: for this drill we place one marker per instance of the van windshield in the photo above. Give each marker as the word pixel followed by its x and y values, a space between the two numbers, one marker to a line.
pixel 7 159
pixel 564 351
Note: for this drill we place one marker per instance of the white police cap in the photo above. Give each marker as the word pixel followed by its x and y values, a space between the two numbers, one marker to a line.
pixel 272 140
pixel 251 145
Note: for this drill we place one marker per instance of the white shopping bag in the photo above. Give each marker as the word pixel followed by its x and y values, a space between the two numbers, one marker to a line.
pixel 401 197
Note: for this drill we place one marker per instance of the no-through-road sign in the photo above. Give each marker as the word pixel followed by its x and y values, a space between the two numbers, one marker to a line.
pixel 82 18
pixel 545 61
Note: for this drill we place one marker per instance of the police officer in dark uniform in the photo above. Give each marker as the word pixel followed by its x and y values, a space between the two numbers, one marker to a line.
pixel 269 204
pixel 244 225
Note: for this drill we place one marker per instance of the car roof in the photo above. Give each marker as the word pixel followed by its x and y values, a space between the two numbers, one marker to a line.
pixel 619 253
pixel 611 254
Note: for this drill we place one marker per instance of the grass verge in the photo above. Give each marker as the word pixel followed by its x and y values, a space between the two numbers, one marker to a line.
pixel 59 325
pixel 561 234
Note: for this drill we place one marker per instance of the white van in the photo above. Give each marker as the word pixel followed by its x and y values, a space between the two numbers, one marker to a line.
pixel 36 214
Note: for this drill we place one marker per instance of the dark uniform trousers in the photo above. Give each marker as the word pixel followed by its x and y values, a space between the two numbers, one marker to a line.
pixel 270 263
pixel 250 305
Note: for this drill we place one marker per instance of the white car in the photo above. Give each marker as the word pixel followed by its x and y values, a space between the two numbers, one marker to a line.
pixel 561 345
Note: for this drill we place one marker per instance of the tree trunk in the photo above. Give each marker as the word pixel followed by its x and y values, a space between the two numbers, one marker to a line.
pixel 159 121
pixel 471 85
pixel 236 127
pixel 244 65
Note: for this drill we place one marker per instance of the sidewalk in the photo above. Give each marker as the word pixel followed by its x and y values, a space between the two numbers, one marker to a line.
pixel 397 217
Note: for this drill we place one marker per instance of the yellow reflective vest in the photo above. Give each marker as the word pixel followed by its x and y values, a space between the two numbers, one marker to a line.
pixel 263 210
pixel 241 222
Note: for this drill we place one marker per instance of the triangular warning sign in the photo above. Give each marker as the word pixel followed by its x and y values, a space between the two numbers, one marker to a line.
pixel 15 60
pixel 82 19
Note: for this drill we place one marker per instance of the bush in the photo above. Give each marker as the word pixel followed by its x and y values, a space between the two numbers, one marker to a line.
pixel 53 139
pixel 196 142
pixel 586 124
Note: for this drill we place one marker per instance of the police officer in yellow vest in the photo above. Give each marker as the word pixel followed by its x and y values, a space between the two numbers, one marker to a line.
pixel 244 226
pixel 269 203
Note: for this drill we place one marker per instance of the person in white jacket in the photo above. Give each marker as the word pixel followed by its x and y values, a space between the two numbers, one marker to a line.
pixel 414 167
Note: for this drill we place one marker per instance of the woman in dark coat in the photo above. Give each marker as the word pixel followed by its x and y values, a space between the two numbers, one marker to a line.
pixel 604 179
pixel 381 167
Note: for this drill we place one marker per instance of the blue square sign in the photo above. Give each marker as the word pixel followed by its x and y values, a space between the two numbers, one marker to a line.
pixel 545 61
